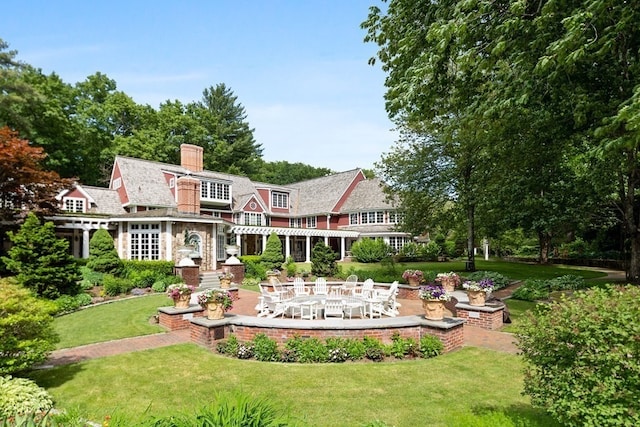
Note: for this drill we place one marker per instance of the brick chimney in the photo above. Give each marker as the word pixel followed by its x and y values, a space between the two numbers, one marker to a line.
pixel 188 194
pixel 191 157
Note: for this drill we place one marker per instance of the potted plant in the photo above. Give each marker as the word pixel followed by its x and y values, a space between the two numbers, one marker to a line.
pixel 433 297
pixel 180 293
pixel 225 279
pixel 413 277
pixel 448 280
pixel 216 301
pixel 477 291
pixel 272 276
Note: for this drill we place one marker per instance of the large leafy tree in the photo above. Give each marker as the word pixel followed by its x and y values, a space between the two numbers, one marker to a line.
pixel 283 172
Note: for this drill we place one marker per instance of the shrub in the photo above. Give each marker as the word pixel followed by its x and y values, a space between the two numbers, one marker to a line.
pixel 499 281
pixel 308 350
pixel 402 347
pixel 373 349
pixel 581 357
pixel 430 346
pixel 228 346
pixel 159 286
pixel 113 286
pixel 68 303
pixel 250 281
pixel 26 328
pixel 323 260
pixel 567 282
pixel 409 252
pixel 356 349
pixel 103 256
pixel 144 278
pixel 93 278
pixel 20 396
pixel 370 250
pixel 265 349
pixel 255 269
pixel 531 290
pixel 42 261
pixel 290 267
pixel 162 268
pixel 429 251
pixel 272 257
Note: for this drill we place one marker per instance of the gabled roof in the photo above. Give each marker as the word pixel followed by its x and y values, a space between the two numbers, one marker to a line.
pixel 367 195
pixel 145 183
pixel 320 195
pixel 106 201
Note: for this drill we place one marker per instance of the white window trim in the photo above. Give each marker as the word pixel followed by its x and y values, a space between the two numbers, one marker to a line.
pixel 74 201
pixel 312 219
pixel 279 200
pixel 117 183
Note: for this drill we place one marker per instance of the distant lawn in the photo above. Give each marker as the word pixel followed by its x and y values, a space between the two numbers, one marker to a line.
pixel 119 319
pixel 472 387
pixel 517 308
pixel 512 270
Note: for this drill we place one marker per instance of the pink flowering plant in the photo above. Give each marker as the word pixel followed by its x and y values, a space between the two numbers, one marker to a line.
pixel 413 274
pixel 433 292
pixel 177 289
pixel 441 277
pixel 485 285
pixel 219 296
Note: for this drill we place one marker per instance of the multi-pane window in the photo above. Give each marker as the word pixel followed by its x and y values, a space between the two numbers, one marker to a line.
pixel 220 249
pixel 373 217
pixel 279 200
pixel 397 242
pixel 144 241
pixel 73 205
pixel 395 217
pixel 295 222
pixel 311 222
pixel 252 218
pixel 214 191
pixel 353 219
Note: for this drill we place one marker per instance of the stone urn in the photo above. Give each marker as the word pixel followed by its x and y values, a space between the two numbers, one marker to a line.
pixel 225 283
pixel 477 298
pixel 182 301
pixel 215 311
pixel 433 309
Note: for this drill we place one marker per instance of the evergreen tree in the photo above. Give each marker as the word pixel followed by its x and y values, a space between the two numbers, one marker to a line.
pixel 42 261
pixel 103 256
pixel 323 260
pixel 272 258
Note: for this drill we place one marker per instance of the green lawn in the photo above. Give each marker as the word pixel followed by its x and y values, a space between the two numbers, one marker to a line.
pixel 464 387
pixel 119 319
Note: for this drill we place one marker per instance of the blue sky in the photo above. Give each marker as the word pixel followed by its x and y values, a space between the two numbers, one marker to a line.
pixel 299 67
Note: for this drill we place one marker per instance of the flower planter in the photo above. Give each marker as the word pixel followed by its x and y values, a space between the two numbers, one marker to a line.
pixel 414 282
pixel 433 309
pixel 272 279
pixel 477 298
pixel 449 284
pixel 215 311
pixel 182 301
pixel 225 283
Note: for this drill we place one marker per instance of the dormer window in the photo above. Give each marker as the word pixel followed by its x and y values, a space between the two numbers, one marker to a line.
pixel 215 191
pixel 73 204
pixel 280 200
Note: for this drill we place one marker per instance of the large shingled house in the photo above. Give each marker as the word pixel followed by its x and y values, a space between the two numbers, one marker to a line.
pixel 150 207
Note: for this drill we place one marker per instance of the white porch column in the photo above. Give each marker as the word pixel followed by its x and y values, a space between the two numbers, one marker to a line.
pixel 308 249
pixel 342 251
pixel 486 249
pixel 287 246
pixel 264 242
pixel 326 240
pixel 239 243
pixel 168 241
pixel 85 243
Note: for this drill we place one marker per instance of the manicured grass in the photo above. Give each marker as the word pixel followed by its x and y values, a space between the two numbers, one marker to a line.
pixel 460 388
pixel 512 270
pixel 120 319
pixel 517 308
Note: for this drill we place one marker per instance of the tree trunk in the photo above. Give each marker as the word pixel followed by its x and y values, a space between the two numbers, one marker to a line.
pixel 544 241
pixel 471 263
pixel 633 272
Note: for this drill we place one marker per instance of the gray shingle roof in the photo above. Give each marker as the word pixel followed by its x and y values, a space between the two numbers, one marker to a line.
pixel 320 195
pixel 145 183
pixel 107 201
pixel 367 195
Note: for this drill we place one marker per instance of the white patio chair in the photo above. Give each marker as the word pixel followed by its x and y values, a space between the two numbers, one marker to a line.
pixel 353 305
pixel 350 284
pixel 267 301
pixel 365 290
pixel 388 299
pixel 334 307
pixel 299 287
pixel 320 286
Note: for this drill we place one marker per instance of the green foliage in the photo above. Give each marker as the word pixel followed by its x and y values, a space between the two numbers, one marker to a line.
pixel 144 278
pixel 68 303
pixel 103 256
pixel 228 346
pixel 42 261
pixel 162 268
pixel 90 278
pixel 290 267
pixel 308 350
pixel 254 268
pixel 430 346
pixel 499 281
pixel 272 257
pixel 26 328
pixel 323 260
pixel 230 410
pixel 159 286
pixel 582 355
pixel 531 290
pixel 568 282
pixel 373 349
pixel 370 250
pixel 113 286
pixel 20 396
pixel 403 347
pixel 265 349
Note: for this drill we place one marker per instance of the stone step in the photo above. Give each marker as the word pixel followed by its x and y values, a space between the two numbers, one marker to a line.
pixel 209 280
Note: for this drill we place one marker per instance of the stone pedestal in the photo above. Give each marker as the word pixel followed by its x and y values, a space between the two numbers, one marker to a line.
pixel 488 316
pixel 189 273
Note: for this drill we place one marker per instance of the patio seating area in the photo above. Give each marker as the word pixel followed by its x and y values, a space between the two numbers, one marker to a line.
pixel 321 300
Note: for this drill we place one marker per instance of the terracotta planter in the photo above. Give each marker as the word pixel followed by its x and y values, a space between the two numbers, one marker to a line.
pixel 448 284
pixel 414 282
pixel 215 311
pixel 433 309
pixel 477 298
pixel 225 283
pixel 272 279
pixel 182 301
